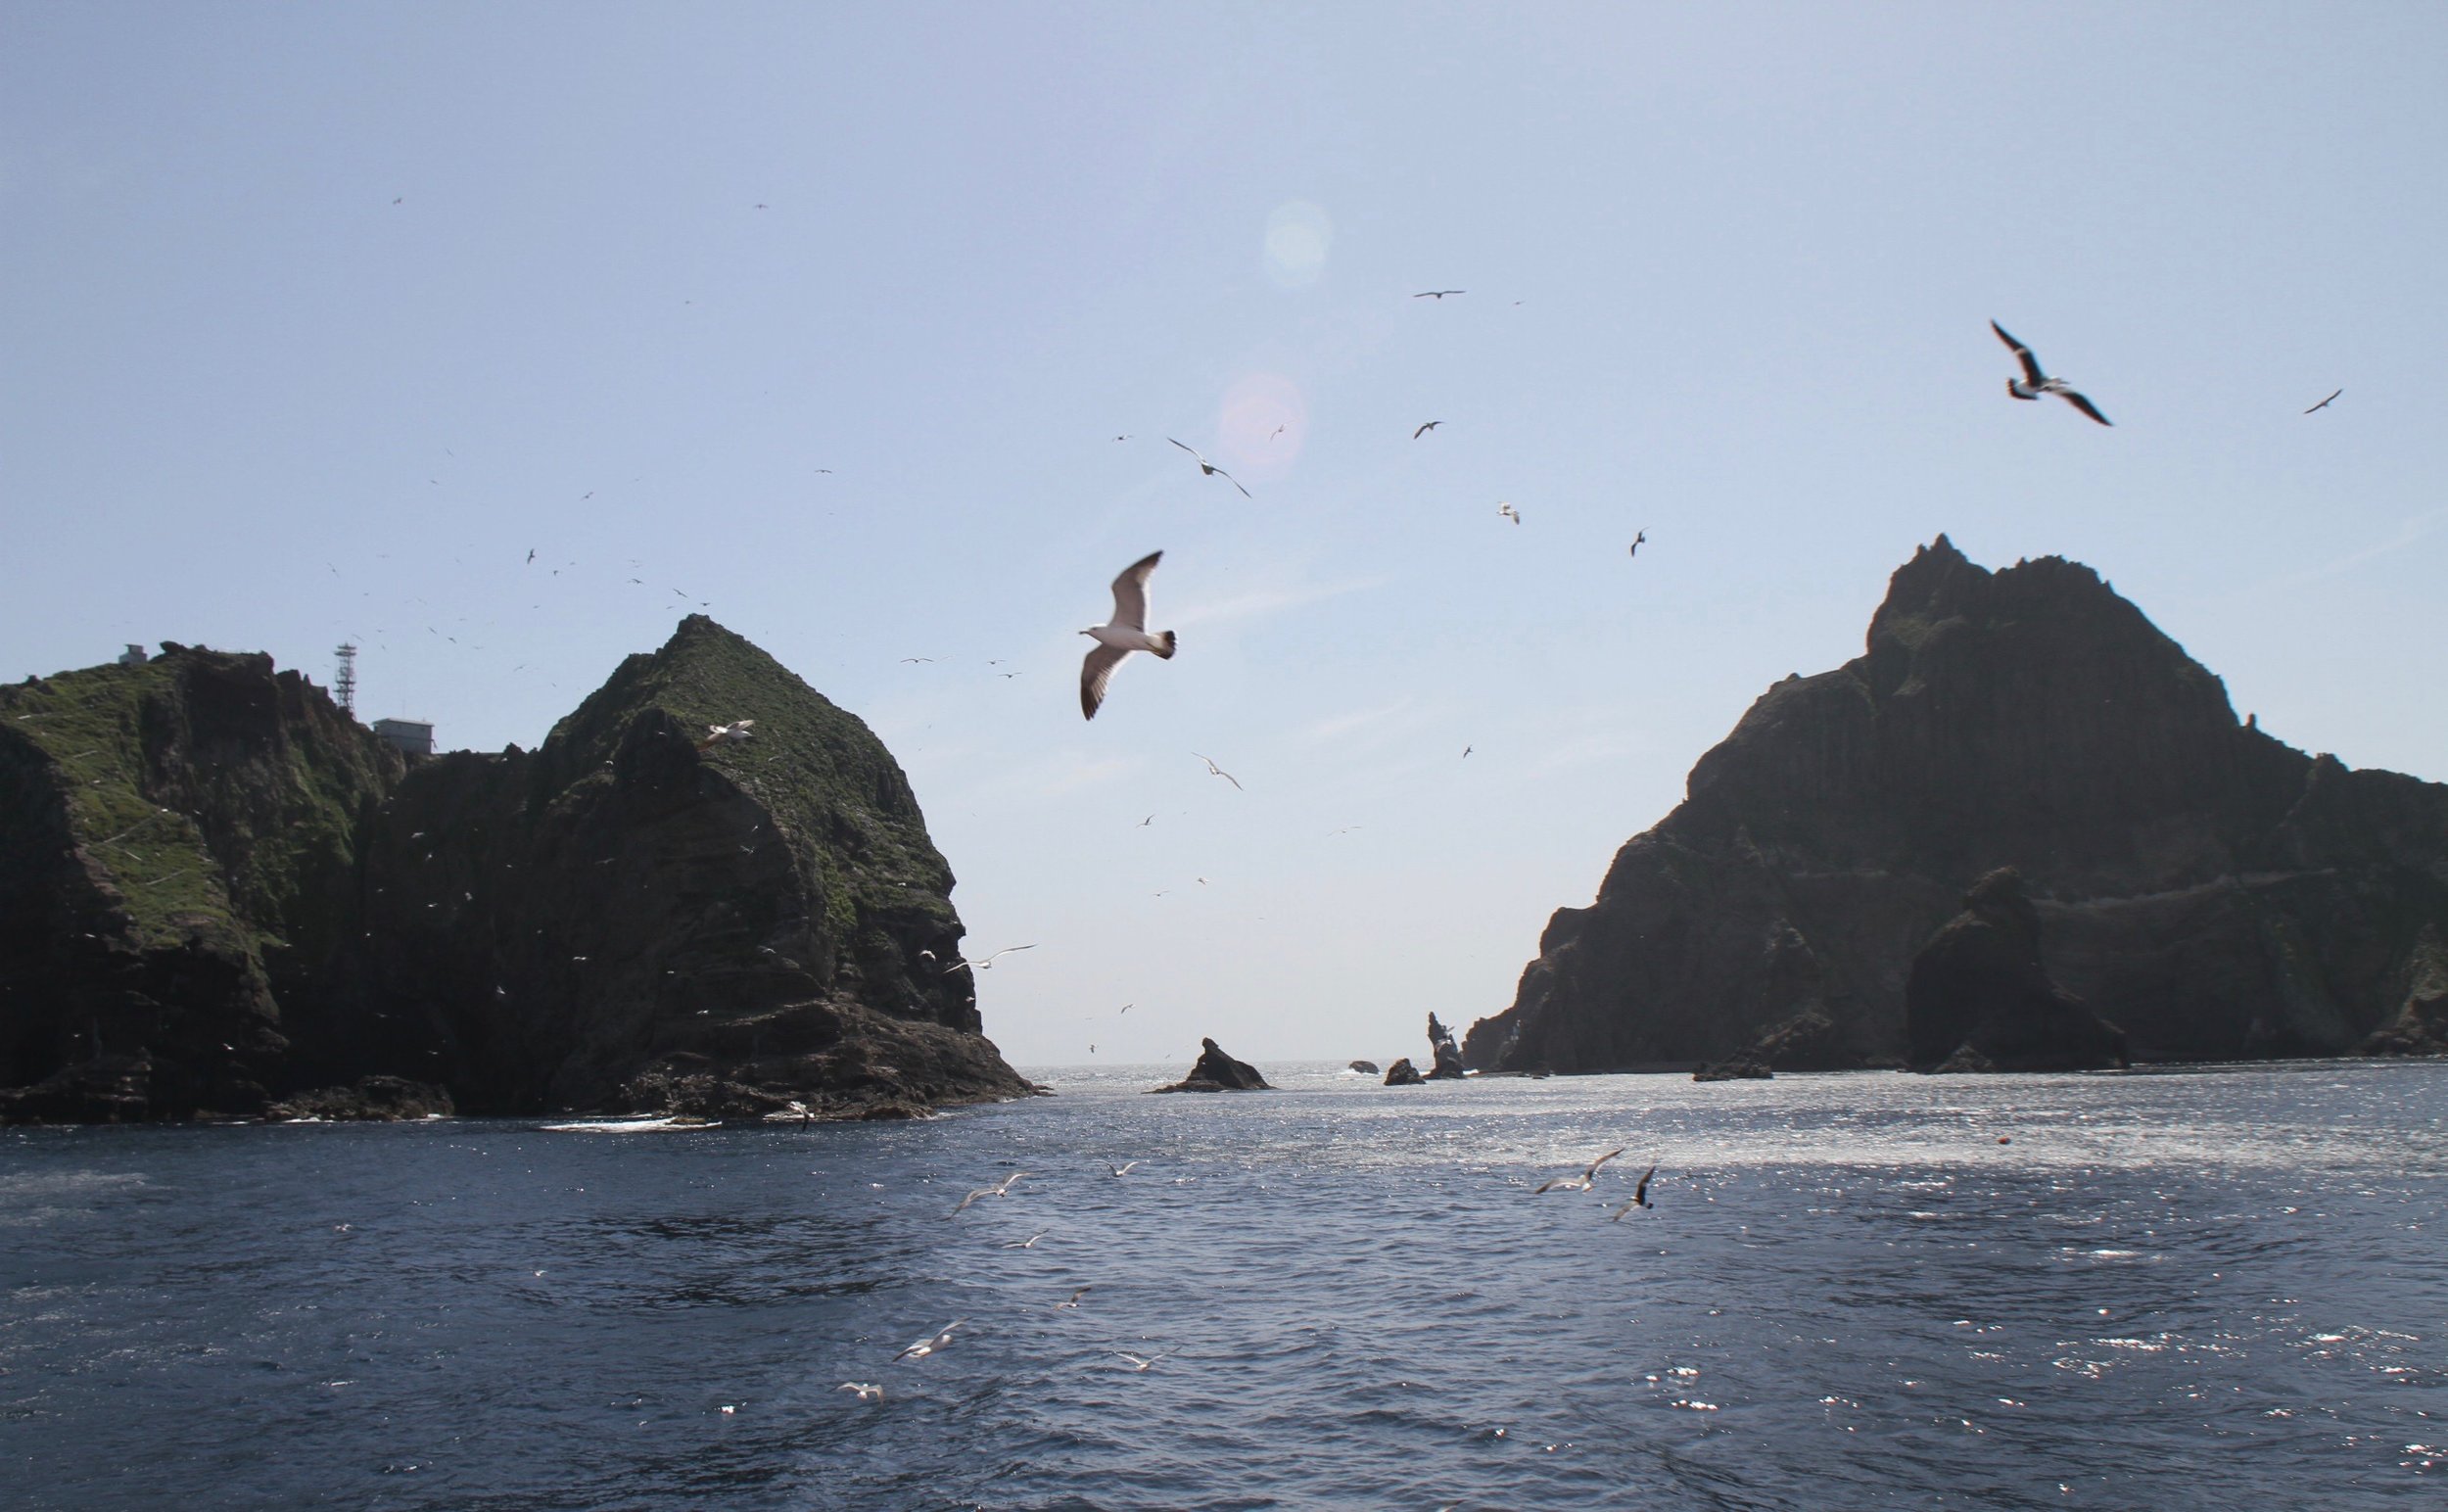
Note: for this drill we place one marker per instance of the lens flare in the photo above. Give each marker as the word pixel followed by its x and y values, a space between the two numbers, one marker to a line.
pixel 1297 237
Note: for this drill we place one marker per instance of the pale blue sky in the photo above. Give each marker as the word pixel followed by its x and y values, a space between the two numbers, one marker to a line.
pixel 1729 275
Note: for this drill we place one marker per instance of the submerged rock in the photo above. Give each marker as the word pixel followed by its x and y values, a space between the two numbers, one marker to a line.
pixel 373 1099
pixel 1216 1072
pixel 1402 1073
pixel 1743 1067
pixel 1979 998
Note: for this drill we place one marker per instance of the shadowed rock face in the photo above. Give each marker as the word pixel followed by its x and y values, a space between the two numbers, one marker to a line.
pixel 615 921
pixel 1978 986
pixel 2216 893
pixel 1216 1072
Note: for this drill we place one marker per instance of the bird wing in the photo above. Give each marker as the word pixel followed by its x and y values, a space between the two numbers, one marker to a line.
pixel 1640 1192
pixel 1554 1182
pixel 1421 431
pixel 1228 478
pixel 2084 404
pixel 1193 450
pixel 2023 354
pixel 742 723
pixel 1130 591
pixel 1094 674
pixel 1592 1172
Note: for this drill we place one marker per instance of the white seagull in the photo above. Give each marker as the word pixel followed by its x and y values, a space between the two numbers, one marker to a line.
pixel 1582 1182
pixel 989 961
pixel 868 1391
pixel 1125 633
pixel 1209 469
pixel 1124 1169
pixel 1509 512
pixel 927 1346
pixel 1030 1243
pixel 1215 771
pixel 726 735
pixel 2034 383
pixel 1137 1364
pixel 999 1189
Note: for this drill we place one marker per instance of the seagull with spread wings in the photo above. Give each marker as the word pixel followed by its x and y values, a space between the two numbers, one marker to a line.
pixel 988 961
pixel 1215 771
pixel 1437 293
pixel 2034 383
pixel 999 1189
pixel 726 735
pixel 925 1346
pixel 1425 429
pixel 1126 633
pixel 2324 405
pixel 1209 469
pixel 1582 1182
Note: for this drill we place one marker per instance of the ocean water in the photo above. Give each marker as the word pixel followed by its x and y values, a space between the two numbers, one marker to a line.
pixel 2211 1288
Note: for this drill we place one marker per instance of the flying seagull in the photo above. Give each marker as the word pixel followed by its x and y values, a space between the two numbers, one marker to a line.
pixel 1074 1299
pixel 1425 429
pixel 1126 633
pixel 988 961
pixel 927 1346
pixel 1215 771
pixel 1509 512
pixel 868 1391
pixel 1437 293
pixel 726 735
pixel 1640 1198
pixel 1030 1243
pixel 1209 469
pixel 1137 1364
pixel 2034 383
pixel 1638 537
pixel 2324 405
pixel 1122 1170
pixel 1582 1182
pixel 999 1189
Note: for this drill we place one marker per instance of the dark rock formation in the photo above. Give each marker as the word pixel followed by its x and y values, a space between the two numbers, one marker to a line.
pixel 2216 893
pixel 1402 1073
pixel 1216 1072
pixel 1365 1067
pixel 373 1099
pixel 1446 1056
pixel 256 896
pixel 1978 986
pixel 1741 1067
pixel 2420 1027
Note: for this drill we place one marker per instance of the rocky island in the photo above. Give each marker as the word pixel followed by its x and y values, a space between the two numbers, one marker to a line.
pixel 2204 892
pixel 217 890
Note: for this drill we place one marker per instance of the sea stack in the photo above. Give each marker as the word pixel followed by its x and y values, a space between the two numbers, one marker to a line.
pixel 1216 1072
pixel 2214 893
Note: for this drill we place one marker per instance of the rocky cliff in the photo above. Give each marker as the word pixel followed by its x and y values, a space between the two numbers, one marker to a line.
pixel 620 920
pixel 2211 891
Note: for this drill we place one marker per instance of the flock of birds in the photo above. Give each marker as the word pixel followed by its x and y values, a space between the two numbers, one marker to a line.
pixel 942 1338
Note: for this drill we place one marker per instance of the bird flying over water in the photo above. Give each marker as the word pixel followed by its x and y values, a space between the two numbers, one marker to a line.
pixel 1030 1243
pixel 1640 1198
pixel 2034 383
pixel 868 1391
pixel 2324 405
pixel 1125 633
pixel 1122 1170
pixel 726 735
pixel 1580 1183
pixel 999 1189
pixel 1074 1299
pixel 1209 469
pixel 925 1346
pixel 1425 429
pixel 1215 771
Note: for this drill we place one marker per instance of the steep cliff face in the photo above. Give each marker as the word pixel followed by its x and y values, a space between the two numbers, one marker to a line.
pixel 621 920
pixel 215 886
pixel 2215 893
pixel 177 843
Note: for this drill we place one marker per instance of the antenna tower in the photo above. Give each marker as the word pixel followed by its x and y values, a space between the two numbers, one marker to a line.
pixel 344 687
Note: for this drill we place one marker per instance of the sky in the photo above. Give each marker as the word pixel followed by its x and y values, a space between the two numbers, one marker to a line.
pixel 865 328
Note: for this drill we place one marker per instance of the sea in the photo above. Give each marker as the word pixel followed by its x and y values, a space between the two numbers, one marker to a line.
pixel 2173 1287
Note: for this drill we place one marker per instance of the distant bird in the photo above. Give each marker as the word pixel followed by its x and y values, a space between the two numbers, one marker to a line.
pixel 1074 1299
pixel 916 659
pixel 726 735
pixel 1145 823
pixel 868 1391
pixel 1126 633
pixel 1466 752
pixel 1215 771
pixel 1580 1183
pixel 1425 429
pixel 1640 1198
pixel 1122 1170
pixel 2324 405
pixel 1209 469
pixel 1437 293
pixel 988 961
pixel 1509 512
pixel 1118 1012
pixel 757 207
pixel 403 197
pixel 999 1189
pixel 2034 383
pixel 531 556
pixel 927 1346
pixel 1137 1364
pixel 1030 1243
pixel 1277 431
pixel 1637 538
